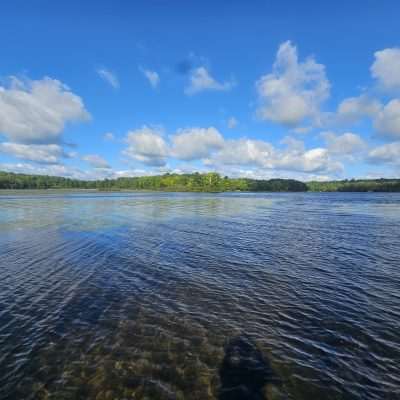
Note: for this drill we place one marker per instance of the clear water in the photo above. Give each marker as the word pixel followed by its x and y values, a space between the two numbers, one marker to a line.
pixel 199 296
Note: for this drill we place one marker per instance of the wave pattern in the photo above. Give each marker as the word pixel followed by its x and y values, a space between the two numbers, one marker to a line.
pixel 117 296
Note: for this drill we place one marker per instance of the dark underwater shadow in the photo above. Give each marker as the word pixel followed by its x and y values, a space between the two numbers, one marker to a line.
pixel 244 371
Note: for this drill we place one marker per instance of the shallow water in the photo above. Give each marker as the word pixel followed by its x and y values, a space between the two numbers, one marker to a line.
pixel 185 296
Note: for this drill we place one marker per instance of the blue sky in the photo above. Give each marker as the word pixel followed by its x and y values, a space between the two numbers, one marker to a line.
pixel 307 90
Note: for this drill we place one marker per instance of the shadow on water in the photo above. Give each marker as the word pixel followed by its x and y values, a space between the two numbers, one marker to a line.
pixel 245 373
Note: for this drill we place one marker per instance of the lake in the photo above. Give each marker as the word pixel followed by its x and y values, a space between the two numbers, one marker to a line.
pixel 199 296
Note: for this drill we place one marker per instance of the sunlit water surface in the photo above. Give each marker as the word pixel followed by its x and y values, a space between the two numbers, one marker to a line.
pixel 151 296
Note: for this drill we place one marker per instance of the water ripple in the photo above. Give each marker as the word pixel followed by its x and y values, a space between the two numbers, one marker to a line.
pixel 173 296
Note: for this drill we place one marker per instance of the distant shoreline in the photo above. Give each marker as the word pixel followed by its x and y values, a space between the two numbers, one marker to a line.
pixel 194 183
pixel 99 191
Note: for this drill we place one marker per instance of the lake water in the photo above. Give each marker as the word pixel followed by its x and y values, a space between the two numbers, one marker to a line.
pixel 199 296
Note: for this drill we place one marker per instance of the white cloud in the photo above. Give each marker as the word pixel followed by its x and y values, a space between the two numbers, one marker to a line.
pixel 109 77
pixel 386 118
pixel 353 109
pixel 41 153
pixel 386 68
pixel 346 144
pixel 52 170
pixel 59 170
pixel 388 153
pixel 201 80
pixel 302 130
pixel 294 90
pixel 387 121
pixel 260 173
pixel 293 144
pixel 263 155
pixel 152 77
pixel 243 152
pixel 138 172
pixel 196 143
pixel 109 137
pixel 232 122
pixel 96 161
pixel 314 160
pixel 36 111
pixel 147 145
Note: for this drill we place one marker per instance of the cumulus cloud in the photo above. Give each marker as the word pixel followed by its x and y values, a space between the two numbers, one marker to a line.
pixel 41 153
pixel 36 111
pixel 147 145
pixel 109 77
pixel 387 153
pixel 385 118
pixel 346 144
pixel 200 80
pixel 196 143
pixel 293 90
pixel 386 68
pixel 66 171
pixel 152 77
pixel 261 173
pixel 263 155
pixel 313 160
pixel 52 169
pixel 353 109
pixel 387 121
pixel 243 152
pixel 295 157
pixel 96 161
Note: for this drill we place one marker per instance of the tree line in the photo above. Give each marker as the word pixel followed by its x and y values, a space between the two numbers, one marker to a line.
pixel 356 185
pixel 195 182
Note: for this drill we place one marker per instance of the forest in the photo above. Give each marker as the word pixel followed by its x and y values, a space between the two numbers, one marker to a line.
pixel 195 182
pixel 356 185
